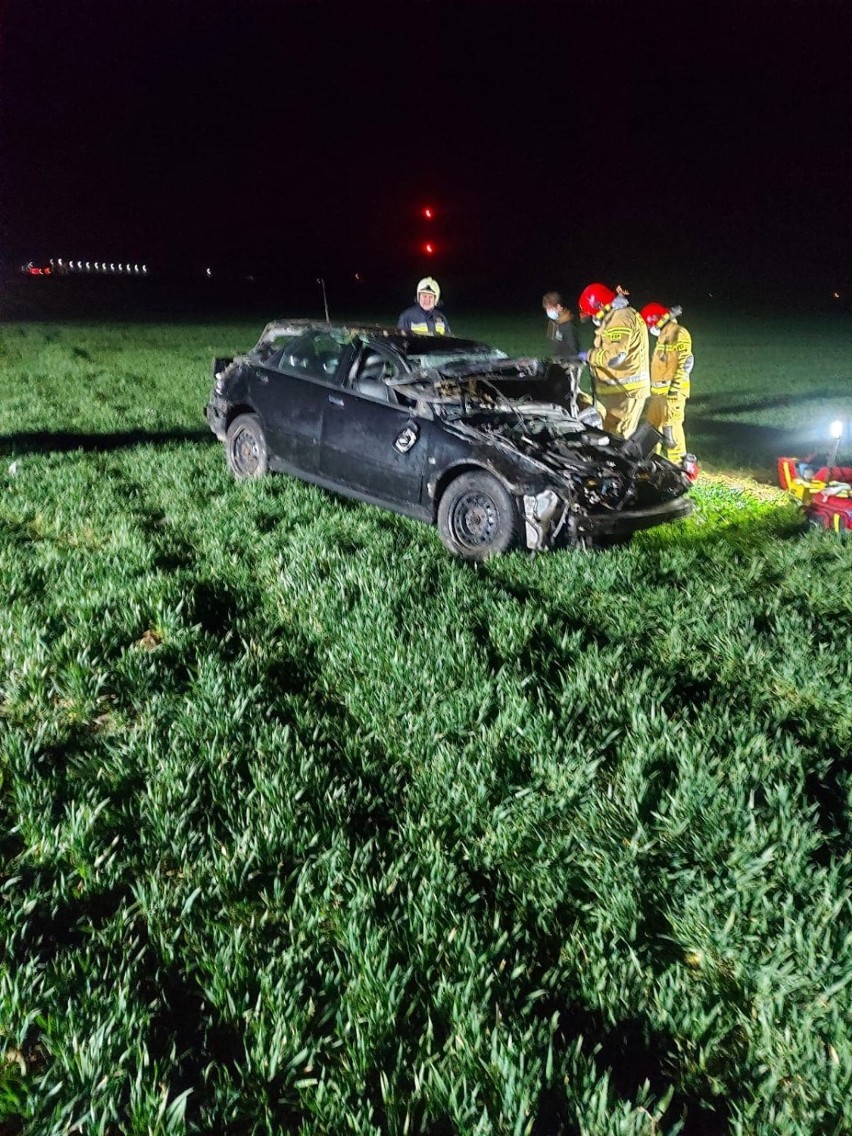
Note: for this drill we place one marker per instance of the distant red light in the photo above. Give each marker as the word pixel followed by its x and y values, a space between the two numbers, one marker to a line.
pixel 428 214
pixel 428 248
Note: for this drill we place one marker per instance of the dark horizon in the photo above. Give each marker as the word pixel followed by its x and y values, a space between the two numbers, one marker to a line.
pixel 680 152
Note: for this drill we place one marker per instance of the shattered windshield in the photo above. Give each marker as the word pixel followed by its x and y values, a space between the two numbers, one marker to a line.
pixel 496 386
pixel 315 349
pixel 425 351
pixel 458 359
pixel 492 377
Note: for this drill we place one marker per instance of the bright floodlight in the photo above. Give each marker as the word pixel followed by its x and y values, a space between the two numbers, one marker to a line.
pixel 836 428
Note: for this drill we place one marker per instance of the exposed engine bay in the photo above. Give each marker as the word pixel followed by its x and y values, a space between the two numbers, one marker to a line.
pixel 534 409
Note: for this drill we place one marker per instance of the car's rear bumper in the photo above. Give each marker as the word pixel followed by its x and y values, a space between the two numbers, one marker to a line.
pixel 633 520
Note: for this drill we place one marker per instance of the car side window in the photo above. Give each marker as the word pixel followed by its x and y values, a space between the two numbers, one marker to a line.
pixel 368 373
pixel 270 352
pixel 315 355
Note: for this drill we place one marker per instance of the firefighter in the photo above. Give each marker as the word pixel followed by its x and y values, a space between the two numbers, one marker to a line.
pixel 671 367
pixel 561 328
pixel 619 357
pixel 422 318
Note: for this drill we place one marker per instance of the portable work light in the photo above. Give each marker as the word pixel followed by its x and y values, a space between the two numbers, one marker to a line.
pixel 836 431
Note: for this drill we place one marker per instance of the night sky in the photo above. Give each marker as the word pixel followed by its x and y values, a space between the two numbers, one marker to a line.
pixel 679 147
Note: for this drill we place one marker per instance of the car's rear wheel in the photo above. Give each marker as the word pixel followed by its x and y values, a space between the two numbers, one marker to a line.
pixel 477 516
pixel 245 446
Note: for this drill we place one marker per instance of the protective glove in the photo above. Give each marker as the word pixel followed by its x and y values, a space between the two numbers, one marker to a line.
pixel 583 356
pixel 668 437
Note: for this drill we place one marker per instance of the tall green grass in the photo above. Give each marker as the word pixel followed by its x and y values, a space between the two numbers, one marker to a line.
pixel 308 827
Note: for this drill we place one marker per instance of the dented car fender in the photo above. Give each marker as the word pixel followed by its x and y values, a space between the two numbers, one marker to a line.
pixel 543 504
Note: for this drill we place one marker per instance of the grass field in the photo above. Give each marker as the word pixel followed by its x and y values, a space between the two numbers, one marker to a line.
pixel 307 827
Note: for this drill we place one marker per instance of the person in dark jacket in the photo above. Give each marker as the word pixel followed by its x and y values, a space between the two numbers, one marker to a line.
pixel 561 329
pixel 422 318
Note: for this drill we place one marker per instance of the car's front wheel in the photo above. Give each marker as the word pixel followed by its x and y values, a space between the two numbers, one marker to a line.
pixel 245 446
pixel 477 516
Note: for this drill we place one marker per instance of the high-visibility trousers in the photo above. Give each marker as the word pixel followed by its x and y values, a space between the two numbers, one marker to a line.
pixel 621 413
pixel 664 411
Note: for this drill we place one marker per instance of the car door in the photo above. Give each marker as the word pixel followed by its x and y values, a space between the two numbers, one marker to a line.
pixel 372 445
pixel 289 389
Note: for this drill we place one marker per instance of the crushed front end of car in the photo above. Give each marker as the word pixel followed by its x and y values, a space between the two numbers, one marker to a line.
pixel 219 404
pixel 581 487
pixel 576 485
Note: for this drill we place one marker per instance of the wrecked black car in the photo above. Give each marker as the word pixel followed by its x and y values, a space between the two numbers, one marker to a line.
pixel 496 452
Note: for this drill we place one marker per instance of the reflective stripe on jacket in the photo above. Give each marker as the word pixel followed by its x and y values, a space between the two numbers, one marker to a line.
pixel 417 321
pixel 671 363
pixel 619 356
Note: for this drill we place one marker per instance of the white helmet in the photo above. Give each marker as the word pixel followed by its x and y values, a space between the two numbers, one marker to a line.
pixel 429 284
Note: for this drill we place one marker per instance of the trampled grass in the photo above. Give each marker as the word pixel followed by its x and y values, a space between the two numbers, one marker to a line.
pixel 308 827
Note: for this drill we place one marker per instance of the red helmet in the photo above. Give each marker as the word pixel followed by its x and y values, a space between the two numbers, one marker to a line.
pixel 594 298
pixel 653 314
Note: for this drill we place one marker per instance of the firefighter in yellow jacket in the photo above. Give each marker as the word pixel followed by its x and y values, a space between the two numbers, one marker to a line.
pixel 671 367
pixel 619 357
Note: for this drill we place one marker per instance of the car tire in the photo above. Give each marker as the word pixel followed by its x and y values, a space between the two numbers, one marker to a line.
pixel 477 517
pixel 245 447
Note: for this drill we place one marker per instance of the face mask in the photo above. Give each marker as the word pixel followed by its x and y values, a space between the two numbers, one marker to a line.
pixel 552 313
pixel 654 330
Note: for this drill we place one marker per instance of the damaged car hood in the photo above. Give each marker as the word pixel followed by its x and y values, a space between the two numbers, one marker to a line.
pixel 503 405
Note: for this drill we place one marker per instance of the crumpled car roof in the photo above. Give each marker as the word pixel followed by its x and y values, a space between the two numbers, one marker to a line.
pixel 404 342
